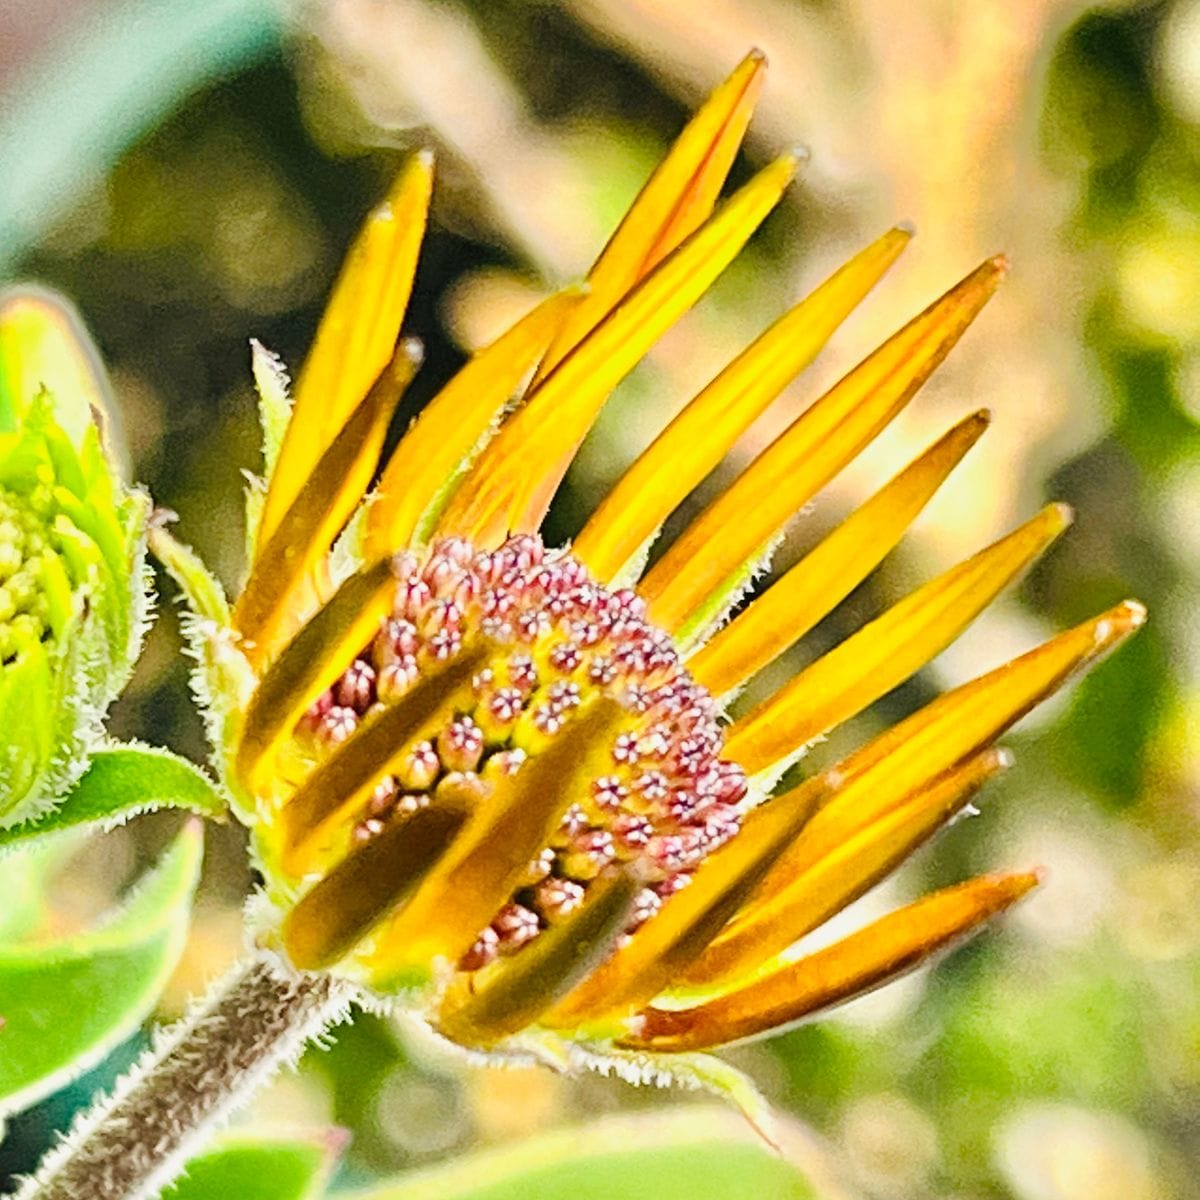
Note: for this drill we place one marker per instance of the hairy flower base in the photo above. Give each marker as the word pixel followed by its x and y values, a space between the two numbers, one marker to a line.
pixel 552 641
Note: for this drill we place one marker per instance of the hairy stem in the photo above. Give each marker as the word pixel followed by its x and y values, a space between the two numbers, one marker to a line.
pixel 134 1142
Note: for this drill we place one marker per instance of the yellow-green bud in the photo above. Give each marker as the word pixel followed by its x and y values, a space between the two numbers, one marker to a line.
pixel 72 572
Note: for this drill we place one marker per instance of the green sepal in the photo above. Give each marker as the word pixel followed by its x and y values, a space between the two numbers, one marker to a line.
pixel 66 1004
pixel 711 615
pixel 201 589
pixel 260 1168
pixel 122 781
pixel 273 386
pixel 690 1153
pixel 222 680
pixel 274 402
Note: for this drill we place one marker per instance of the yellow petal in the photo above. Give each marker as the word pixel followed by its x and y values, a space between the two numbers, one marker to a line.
pixel 676 200
pixel 483 867
pixel 831 570
pixel 357 334
pixel 837 878
pixel 883 654
pixel 289 580
pixel 454 423
pixel 341 908
pixel 669 942
pixel 821 441
pixel 342 782
pixel 881 952
pixel 911 755
pixel 481 1008
pixel 310 663
pixel 699 437
pixel 512 482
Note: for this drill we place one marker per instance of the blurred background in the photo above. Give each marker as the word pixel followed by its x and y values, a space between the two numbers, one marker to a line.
pixel 191 173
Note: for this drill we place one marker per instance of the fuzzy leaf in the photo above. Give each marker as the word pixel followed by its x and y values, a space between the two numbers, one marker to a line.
pixel 122 781
pixel 23 877
pixel 252 1168
pixel 65 1004
pixel 684 1154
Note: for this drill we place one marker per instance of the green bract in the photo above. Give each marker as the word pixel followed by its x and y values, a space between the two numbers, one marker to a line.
pixel 73 579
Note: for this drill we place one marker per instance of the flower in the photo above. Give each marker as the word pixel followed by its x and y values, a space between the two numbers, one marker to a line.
pixel 495 778
pixel 73 579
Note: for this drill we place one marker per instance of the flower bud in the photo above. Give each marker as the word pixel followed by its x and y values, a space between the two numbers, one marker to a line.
pixel 73 584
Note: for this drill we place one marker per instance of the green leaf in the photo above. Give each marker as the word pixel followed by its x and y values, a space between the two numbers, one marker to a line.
pixel 259 1168
pixel 65 1004
pixel 23 877
pixel 120 782
pixel 681 1154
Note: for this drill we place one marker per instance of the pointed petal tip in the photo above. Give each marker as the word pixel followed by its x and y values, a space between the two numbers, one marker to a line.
pixel 1051 521
pixel 988 276
pixel 1118 623
pixel 416 171
pixel 783 170
pixel 1064 514
pixel 1020 883
pixel 1000 758
pixel 411 351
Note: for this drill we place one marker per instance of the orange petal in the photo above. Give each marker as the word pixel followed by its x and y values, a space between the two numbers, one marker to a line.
pixel 453 424
pixel 289 579
pixel 699 437
pixel 481 1008
pixel 309 664
pixel 482 869
pixel 512 482
pixel 818 444
pixel 357 334
pixel 911 755
pixel 840 876
pixel 340 909
pixel 342 782
pixel 881 952
pixel 787 610
pixel 883 654
pixel 670 942
pixel 676 200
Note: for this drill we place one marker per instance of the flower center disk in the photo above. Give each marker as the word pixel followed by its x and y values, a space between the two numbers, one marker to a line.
pixel 553 640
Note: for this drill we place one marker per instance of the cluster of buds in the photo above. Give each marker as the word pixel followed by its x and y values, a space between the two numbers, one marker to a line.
pixel 72 574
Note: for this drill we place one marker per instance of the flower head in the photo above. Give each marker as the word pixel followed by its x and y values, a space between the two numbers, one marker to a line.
pixel 496 777
pixel 72 545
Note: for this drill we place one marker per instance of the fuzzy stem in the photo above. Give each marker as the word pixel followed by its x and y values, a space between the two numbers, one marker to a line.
pixel 134 1142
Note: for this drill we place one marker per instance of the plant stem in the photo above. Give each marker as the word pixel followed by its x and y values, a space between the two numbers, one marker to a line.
pixel 135 1141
